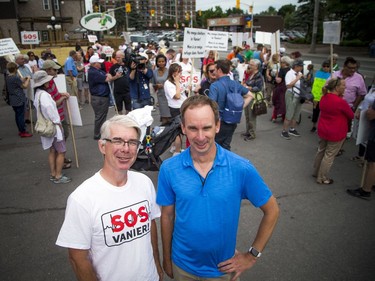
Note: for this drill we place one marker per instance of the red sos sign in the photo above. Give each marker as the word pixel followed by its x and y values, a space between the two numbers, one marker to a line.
pixel 129 219
pixel 30 37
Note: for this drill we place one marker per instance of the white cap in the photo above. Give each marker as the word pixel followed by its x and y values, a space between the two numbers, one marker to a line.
pixel 95 59
pixel 144 55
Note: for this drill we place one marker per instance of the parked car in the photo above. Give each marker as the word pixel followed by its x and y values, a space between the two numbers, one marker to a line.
pixel 284 37
pixel 290 35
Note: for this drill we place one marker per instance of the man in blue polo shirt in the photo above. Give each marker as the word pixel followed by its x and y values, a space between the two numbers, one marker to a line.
pixel 201 206
pixel 71 73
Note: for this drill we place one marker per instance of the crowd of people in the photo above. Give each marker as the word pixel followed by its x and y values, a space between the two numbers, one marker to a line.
pixel 104 225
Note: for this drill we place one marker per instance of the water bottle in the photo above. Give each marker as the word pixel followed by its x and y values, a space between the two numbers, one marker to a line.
pixel 120 69
pixel 155 131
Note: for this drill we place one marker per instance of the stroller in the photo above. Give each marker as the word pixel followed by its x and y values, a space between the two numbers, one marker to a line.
pixel 155 144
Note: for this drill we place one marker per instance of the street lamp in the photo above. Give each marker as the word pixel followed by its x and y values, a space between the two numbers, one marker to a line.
pixel 54 25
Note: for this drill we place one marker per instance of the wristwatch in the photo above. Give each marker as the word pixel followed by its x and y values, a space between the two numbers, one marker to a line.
pixel 254 252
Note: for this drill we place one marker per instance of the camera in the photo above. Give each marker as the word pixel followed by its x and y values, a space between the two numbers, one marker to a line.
pixel 131 56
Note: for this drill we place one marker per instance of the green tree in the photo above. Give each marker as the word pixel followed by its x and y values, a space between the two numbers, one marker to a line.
pixel 271 11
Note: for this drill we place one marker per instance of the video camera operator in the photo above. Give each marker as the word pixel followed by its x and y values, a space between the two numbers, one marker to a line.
pixel 140 76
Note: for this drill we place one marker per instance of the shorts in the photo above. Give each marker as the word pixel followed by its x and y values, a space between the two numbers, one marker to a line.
pixel 59 146
pixel 293 106
pixel 370 151
pixel 79 84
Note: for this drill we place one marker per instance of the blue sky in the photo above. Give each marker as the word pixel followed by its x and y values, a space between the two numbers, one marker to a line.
pixel 259 5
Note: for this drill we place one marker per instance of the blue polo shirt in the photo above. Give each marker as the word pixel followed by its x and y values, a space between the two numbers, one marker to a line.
pixel 207 210
pixel 70 65
pixel 97 84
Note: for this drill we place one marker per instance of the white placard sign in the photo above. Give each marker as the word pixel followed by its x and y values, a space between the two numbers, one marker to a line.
pixel 74 111
pixel 185 79
pixel 107 50
pixel 241 70
pixel 30 37
pixel 237 39
pixel 331 32
pixel 217 40
pixel 196 41
pixel 92 38
pixel 263 37
pixel 8 47
pixel 60 83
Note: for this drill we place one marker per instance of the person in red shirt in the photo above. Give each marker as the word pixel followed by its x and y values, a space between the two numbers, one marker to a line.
pixel 335 113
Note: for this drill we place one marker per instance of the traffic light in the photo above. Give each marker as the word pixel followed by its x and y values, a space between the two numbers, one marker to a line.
pixel 237 4
pixel 200 13
pixel 128 8
pixel 152 12
pixel 96 8
pixel 249 24
pixel 187 16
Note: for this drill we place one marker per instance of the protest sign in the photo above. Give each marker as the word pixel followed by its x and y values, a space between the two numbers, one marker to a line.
pixel 30 37
pixel 331 32
pixel 196 41
pixel 8 47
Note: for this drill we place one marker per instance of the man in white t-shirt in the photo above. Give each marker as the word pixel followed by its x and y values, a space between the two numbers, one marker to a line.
pixel 109 227
pixel 292 100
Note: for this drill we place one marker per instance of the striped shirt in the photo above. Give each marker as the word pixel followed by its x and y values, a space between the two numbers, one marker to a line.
pixel 52 90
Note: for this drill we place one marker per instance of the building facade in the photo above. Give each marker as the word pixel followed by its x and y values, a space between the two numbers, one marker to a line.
pixel 35 15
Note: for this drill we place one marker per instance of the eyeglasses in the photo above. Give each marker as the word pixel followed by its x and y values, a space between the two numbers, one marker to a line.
pixel 325 65
pixel 211 70
pixel 120 142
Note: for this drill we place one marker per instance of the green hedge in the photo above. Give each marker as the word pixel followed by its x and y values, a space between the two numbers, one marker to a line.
pixel 353 43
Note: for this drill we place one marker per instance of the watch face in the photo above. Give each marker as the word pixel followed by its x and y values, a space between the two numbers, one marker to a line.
pixel 254 252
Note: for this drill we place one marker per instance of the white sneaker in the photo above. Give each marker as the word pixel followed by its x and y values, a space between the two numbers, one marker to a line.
pixel 173 148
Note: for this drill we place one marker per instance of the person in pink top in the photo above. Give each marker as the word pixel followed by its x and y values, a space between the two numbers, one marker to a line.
pixel 355 89
pixel 335 113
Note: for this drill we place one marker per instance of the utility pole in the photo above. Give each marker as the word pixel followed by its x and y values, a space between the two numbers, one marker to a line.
pixel 315 27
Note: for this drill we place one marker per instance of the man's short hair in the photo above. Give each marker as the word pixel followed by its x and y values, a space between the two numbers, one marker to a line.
pixel 121 120
pixel 199 101
pixel 350 60
pixel 256 62
pixel 224 65
pixel 72 53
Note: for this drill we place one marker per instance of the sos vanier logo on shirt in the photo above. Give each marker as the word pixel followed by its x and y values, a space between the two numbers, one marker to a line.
pixel 126 224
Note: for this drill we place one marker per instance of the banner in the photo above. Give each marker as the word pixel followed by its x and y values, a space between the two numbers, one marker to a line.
pixel 196 41
pixel 30 37
pixel 8 47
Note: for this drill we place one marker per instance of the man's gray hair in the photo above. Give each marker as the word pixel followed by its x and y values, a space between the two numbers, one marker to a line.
pixel 256 62
pixel 19 56
pixel 287 60
pixel 121 120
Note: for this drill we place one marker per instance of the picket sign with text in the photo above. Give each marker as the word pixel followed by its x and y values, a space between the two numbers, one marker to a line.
pixel 197 41
pixel 30 38
pixel 8 47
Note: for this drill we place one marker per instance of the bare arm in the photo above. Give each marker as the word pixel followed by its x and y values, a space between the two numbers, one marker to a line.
pixel 155 248
pixel 167 225
pixel 243 261
pixel 25 82
pixel 370 113
pixel 247 98
pixel 82 265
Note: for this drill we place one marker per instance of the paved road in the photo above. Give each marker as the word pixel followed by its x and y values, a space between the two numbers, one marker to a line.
pixel 322 234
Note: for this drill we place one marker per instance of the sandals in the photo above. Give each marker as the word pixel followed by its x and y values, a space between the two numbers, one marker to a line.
pixel 326 181
pixel 341 151
pixel 356 158
pixel 67 166
pixel 67 160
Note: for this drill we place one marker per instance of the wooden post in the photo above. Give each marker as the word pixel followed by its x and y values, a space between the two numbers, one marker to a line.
pixel 73 136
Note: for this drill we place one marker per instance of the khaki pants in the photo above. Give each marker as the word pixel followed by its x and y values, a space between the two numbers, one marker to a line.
pixel 71 86
pixel 182 275
pixel 324 158
pixel 251 120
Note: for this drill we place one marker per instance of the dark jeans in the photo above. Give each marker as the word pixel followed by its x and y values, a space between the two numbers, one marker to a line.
pixel 100 106
pixel 224 136
pixel 20 117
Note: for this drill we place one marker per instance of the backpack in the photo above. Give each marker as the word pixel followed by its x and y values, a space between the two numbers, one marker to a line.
pixel 304 91
pixel 233 105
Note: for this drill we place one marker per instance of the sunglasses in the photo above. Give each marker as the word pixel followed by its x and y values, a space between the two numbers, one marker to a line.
pixel 211 70
pixel 325 65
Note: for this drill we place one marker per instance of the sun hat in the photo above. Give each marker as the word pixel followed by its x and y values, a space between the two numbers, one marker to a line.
pixel 41 77
pixel 95 59
pixel 297 62
pixel 50 64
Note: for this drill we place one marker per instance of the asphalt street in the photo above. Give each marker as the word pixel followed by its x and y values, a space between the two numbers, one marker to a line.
pixel 322 233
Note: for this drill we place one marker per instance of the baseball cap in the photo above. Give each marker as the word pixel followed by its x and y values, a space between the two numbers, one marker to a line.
pixel 298 62
pixel 95 59
pixel 50 64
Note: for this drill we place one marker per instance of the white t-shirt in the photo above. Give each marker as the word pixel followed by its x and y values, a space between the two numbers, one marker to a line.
pixel 170 92
pixel 114 224
pixel 289 77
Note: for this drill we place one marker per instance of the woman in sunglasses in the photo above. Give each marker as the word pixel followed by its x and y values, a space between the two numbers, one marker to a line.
pixel 209 78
